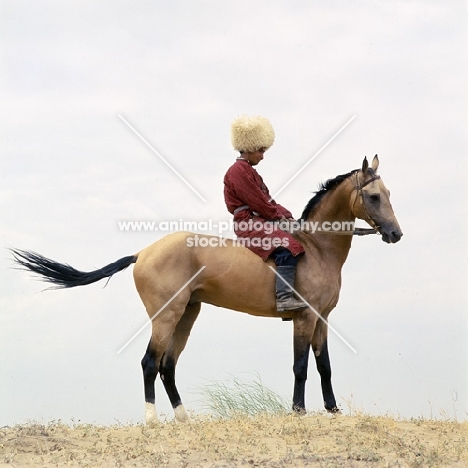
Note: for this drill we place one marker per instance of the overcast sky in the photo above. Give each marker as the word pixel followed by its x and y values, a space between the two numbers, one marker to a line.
pixel 180 72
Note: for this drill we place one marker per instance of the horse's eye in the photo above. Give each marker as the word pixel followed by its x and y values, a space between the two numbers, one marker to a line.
pixel 374 198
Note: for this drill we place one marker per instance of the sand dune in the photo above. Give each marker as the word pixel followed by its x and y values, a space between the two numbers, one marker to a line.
pixel 316 440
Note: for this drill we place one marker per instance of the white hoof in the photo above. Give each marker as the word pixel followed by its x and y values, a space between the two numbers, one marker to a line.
pixel 181 415
pixel 151 416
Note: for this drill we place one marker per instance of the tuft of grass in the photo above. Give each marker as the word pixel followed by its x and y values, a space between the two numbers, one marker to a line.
pixel 240 398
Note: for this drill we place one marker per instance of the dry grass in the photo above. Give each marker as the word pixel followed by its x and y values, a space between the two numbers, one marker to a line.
pixel 241 397
pixel 260 441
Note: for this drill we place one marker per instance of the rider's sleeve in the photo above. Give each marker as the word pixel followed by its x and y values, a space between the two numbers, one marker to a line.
pixel 247 186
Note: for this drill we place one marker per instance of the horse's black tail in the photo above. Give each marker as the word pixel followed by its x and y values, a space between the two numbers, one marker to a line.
pixel 63 275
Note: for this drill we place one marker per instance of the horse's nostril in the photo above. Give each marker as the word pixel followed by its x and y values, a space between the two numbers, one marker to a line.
pixel 396 236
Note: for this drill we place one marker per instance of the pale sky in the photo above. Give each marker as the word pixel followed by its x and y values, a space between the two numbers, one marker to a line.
pixel 180 72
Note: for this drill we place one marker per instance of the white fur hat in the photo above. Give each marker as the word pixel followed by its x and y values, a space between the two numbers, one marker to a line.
pixel 250 133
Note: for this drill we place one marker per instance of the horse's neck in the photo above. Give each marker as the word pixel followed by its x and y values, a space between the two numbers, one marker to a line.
pixel 333 210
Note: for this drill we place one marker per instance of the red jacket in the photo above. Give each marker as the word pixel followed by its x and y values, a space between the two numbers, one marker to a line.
pixel 244 186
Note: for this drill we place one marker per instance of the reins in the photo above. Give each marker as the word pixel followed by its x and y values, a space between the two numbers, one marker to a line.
pixel 364 231
pixel 357 231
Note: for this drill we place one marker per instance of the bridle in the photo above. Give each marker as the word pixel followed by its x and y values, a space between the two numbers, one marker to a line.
pixel 357 230
pixel 359 194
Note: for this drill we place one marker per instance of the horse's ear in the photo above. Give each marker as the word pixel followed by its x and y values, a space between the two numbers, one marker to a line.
pixel 365 165
pixel 375 163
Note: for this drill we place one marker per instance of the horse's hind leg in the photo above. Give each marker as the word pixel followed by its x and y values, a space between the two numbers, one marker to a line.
pixel 150 372
pixel 162 330
pixel 171 356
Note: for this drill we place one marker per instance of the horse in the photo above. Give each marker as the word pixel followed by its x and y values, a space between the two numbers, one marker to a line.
pixel 175 275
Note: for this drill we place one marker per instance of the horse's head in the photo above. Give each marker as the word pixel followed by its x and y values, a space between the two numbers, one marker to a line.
pixel 372 202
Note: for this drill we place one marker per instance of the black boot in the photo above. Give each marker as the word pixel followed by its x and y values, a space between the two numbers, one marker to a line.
pixel 285 301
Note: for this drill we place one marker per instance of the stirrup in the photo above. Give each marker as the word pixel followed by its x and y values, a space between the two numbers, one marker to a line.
pixel 290 304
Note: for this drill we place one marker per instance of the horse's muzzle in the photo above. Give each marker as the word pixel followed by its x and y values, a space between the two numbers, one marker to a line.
pixel 391 236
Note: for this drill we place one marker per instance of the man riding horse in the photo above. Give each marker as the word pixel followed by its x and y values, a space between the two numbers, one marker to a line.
pixel 255 213
pixel 173 279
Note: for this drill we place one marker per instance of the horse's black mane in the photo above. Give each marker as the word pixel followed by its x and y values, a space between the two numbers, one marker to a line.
pixel 330 184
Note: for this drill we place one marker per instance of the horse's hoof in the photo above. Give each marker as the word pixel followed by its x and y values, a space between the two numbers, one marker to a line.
pixel 151 417
pixel 334 410
pixel 299 411
pixel 181 414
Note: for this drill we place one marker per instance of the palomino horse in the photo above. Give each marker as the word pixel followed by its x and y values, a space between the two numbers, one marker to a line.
pixel 173 277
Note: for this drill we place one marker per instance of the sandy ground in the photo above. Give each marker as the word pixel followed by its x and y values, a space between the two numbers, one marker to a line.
pixel 263 441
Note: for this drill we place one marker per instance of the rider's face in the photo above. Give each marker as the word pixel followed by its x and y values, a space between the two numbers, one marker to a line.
pixel 254 157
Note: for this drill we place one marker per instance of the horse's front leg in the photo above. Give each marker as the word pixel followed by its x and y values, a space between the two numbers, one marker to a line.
pixel 322 360
pixel 301 362
pixel 304 330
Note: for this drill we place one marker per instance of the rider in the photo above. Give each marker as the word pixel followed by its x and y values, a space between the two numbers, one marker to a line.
pixel 248 199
